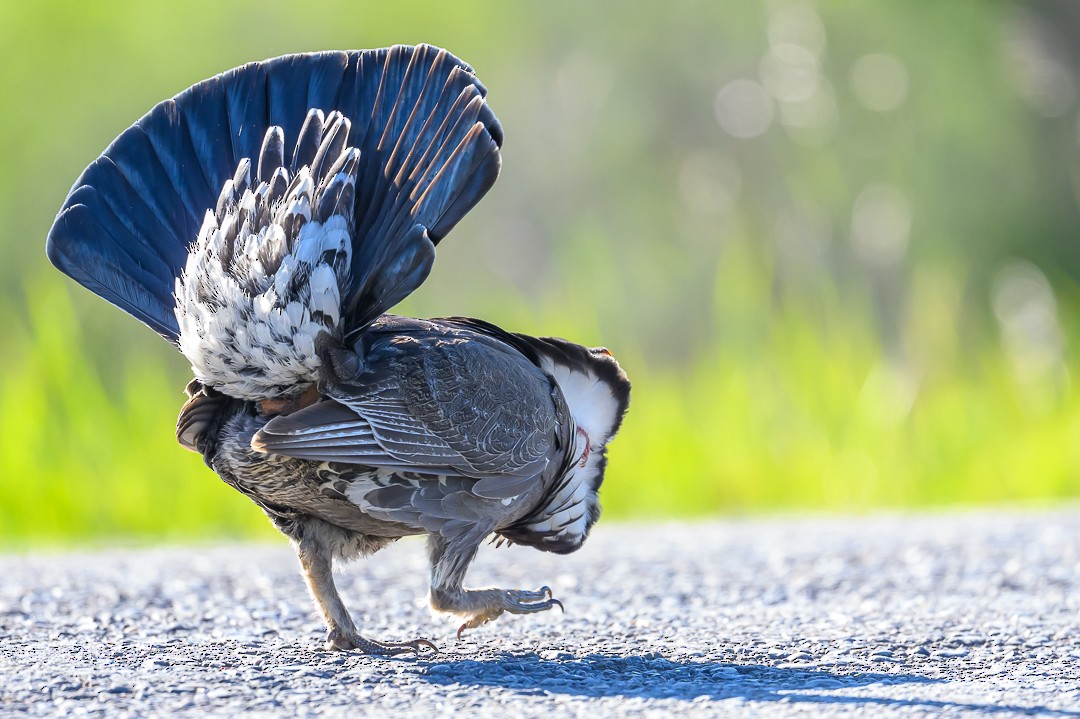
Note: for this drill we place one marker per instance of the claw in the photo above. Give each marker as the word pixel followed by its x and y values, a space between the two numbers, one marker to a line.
pixel 424 643
pixel 556 603
pixel 337 641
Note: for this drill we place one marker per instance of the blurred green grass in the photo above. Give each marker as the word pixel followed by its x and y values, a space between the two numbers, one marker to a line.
pixel 780 359
pixel 795 420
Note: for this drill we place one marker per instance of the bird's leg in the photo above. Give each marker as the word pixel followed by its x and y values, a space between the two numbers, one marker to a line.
pixel 317 563
pixel 449 562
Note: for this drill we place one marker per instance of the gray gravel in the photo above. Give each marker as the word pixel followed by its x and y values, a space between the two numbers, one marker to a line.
pixel 952 615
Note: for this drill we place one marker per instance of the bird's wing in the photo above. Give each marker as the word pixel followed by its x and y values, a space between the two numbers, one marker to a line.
pixel 381 434
pixel 429 150
pixel 451 410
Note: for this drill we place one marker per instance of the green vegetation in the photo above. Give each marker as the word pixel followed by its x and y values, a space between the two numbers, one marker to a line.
pixel 834 283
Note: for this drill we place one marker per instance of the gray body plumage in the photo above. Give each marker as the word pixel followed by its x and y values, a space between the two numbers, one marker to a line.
pixel 421 427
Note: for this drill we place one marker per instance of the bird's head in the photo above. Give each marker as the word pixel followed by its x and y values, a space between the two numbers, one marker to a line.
pixel 597 394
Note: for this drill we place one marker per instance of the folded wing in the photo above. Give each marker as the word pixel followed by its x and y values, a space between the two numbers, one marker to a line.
pixel 440 409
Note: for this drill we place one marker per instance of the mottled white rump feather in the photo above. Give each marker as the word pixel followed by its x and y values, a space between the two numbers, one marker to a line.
pixel 265 278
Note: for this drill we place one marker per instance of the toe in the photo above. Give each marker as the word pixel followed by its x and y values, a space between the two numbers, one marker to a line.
pixel 338 640
pixel 391 649
pixel 525 595
pixel 517 607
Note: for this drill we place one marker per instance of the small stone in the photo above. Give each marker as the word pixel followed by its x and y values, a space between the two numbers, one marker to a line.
pixel 950 653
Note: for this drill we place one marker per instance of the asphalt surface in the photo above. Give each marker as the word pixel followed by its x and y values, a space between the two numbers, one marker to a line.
pixel 965 615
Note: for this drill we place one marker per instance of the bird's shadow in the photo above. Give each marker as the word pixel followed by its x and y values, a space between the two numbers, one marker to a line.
pixel 651 676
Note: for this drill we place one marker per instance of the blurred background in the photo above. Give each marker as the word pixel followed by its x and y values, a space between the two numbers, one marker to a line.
pixel 834 244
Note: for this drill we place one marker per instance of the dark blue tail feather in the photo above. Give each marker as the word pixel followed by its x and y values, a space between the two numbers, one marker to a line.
pixel 429 151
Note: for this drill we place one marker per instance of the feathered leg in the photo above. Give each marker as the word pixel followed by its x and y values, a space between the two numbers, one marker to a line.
pixel 317 561
pixel 449 562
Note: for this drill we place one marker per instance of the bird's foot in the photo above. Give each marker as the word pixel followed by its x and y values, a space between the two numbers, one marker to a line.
pixel 480 606
pixel 339 640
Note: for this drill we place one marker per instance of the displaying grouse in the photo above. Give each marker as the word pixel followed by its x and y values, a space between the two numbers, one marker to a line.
pixel 264 221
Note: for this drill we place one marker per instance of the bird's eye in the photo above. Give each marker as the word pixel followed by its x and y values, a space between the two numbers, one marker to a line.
pixel 584 452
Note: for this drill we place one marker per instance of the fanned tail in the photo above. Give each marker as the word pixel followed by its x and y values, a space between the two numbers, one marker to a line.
pixel 428 151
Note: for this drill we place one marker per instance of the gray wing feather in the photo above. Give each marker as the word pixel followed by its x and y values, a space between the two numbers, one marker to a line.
pixel 493 407
pixel 450 509
pixel 319 433
pixel 457 409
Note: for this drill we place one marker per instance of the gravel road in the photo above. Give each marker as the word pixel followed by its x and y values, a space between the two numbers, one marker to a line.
pixel 972 614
